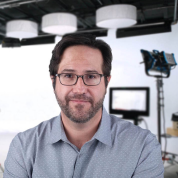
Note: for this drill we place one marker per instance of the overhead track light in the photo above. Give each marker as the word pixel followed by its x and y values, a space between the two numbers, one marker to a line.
pixel 21 29
pixel 116 16
pixel 59 23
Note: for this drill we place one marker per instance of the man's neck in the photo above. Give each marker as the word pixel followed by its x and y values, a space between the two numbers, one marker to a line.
pixel 80 133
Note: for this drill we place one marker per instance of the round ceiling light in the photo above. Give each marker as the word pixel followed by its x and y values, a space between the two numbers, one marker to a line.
pixel 116 16
pixel 21 29
pixel 59 23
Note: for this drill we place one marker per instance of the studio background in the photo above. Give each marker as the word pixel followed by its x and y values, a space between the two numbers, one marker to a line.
pixel 27 97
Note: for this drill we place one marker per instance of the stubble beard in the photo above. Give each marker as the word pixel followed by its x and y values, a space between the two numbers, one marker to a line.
pixel 80 114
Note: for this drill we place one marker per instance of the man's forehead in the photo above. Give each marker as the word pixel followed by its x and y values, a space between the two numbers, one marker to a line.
pixel 77 58
pixel 81 50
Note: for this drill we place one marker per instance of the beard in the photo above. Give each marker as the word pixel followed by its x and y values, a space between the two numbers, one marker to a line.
pixel 79 114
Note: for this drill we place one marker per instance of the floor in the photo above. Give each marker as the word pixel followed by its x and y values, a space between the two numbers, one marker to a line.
pixel 171 171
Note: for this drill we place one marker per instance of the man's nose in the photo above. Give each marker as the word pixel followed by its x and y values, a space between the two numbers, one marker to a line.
pixel 79 87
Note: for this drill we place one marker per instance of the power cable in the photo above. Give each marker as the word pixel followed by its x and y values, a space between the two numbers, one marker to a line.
pixel 146 125
pixel 142 119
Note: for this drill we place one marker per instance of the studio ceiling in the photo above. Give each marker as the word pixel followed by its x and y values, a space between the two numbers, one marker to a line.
pixel 153 16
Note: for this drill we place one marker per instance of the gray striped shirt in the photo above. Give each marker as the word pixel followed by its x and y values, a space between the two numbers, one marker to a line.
pixel 118 149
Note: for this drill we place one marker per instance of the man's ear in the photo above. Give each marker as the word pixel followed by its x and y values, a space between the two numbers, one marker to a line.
pixel 53 79
pixel 109 78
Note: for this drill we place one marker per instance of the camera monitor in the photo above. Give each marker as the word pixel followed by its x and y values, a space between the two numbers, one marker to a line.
pixel 130 102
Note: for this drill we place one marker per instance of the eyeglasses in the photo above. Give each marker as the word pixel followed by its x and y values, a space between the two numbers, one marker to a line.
pixel 68 79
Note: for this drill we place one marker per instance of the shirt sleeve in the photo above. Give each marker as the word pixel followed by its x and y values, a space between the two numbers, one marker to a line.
pixel 150 164
pixel 15 164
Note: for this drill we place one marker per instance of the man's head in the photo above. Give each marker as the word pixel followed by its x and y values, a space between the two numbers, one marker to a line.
pixel 81 39
pixel 79 97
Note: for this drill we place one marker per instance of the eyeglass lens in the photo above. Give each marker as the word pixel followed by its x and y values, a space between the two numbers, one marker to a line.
pixel 89 79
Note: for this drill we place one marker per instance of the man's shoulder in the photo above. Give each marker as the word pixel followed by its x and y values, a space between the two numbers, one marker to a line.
pixel 122 129
pixel 40 132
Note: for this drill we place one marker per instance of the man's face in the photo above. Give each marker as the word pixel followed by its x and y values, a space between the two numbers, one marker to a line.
pixel 80 102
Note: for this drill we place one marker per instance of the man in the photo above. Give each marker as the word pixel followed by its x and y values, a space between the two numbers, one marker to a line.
pixel 84 141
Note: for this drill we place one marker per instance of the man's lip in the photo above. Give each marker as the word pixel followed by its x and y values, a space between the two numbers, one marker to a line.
pixel 79 101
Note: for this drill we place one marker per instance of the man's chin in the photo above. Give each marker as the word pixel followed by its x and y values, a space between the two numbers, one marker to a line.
pixel 79 105
pixel 80 108
pixel 80 117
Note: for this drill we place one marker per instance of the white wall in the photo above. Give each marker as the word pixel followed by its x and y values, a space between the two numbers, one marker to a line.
pixel 26 94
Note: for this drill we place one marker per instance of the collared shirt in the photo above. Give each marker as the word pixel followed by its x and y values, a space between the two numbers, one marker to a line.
pixel 118 149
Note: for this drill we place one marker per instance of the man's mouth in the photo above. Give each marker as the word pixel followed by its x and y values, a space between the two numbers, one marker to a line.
pixel 79 101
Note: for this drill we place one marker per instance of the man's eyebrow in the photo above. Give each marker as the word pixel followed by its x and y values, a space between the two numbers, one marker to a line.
pixel 68 70
pixel 72 70
pixel 91 71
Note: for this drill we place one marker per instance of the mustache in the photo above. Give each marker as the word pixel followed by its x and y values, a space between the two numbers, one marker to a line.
pixel 79 97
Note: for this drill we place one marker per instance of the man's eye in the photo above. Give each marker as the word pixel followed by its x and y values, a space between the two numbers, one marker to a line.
pixel 68 75
pixel 91 76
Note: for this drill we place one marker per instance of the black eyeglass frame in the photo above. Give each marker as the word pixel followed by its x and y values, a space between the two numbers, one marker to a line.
pixel 78 76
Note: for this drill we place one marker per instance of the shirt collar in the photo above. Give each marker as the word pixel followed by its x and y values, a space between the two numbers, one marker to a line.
pixel 57 132
pixel 103 133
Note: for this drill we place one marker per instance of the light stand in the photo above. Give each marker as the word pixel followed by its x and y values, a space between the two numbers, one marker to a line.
pixel 162 63
pixel 159 84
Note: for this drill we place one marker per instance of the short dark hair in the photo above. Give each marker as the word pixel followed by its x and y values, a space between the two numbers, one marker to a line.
pixel 81 39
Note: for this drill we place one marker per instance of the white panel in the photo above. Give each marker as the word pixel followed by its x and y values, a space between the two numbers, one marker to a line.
pixel 59 23
pixel 116 16
pixel 21 29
